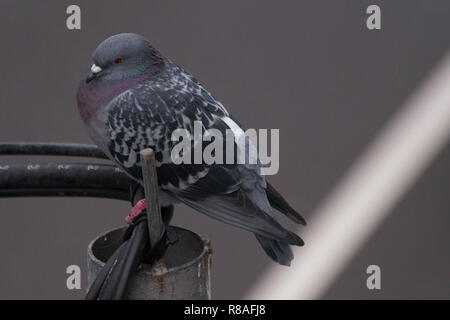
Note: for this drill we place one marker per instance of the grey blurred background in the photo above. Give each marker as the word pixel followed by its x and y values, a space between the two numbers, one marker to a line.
pixel 309 68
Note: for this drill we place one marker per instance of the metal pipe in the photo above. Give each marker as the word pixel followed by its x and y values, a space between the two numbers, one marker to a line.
pixel 185 271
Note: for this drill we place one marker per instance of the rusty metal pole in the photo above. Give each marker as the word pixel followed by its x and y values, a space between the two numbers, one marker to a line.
pixel 150 181
pixel 184 270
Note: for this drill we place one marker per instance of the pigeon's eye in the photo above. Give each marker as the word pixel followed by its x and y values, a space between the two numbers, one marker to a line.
pixel 117 60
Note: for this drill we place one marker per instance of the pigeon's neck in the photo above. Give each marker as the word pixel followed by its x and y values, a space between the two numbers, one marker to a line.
pixel 91 97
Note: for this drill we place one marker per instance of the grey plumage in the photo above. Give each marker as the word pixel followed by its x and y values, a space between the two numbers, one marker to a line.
pixel 141 103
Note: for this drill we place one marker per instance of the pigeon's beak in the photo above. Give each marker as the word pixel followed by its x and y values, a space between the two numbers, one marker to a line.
pixel 94 73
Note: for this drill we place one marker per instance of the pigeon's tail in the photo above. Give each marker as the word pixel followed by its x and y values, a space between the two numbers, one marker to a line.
pixel 279 251
pixel 236 209
pixel 277 202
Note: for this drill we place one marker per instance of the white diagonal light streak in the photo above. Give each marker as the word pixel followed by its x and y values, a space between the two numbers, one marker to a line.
pixel 367 193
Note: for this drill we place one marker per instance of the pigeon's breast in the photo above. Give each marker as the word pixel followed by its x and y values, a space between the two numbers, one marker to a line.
pixel 91 99
pixel 94 96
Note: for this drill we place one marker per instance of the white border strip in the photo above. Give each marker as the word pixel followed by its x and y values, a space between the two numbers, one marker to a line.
pixel 366 195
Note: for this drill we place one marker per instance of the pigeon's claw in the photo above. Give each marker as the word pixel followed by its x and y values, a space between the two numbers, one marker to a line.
pixel 138 207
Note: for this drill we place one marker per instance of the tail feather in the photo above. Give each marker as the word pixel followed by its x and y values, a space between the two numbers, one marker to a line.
pixel 280 252
pixel 236 209
pixel 277 202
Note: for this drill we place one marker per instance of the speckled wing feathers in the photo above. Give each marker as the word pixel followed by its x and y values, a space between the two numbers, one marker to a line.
pixel 145 117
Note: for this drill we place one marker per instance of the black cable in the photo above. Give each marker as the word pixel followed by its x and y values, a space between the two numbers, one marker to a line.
pixel 66 192
pixel 51 149
pixel 131 259
pixel 102 276
pixel 63 174
pixel 64 179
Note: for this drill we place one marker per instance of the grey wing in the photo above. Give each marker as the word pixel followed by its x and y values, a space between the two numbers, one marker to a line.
pixel 146 116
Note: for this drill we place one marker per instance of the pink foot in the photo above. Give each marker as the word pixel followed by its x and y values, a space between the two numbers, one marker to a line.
pixel 138 207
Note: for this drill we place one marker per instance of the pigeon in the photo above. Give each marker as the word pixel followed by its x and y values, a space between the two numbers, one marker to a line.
pixel 134 98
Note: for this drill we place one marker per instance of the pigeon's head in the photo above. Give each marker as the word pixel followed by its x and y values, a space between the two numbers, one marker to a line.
pixel 122 57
